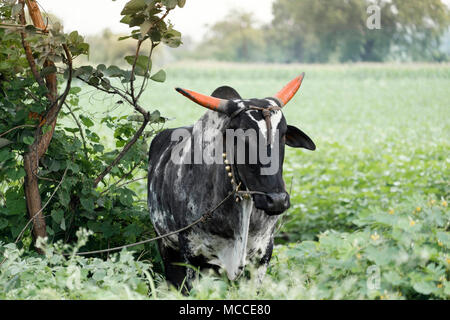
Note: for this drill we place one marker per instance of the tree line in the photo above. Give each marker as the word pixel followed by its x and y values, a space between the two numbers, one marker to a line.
pixel 319 31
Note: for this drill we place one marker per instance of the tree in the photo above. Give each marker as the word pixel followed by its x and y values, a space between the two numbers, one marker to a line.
pixel 234 39
pixel 84 184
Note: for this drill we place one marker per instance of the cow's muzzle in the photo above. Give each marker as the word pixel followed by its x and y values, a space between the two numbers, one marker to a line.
pixel 272 203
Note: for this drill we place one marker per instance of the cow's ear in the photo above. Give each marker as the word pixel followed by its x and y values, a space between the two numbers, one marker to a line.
pixel 298 139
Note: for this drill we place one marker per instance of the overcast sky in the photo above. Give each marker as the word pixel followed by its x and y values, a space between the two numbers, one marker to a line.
pixel 92 16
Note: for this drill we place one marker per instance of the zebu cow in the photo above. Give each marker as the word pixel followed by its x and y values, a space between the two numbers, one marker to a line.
pixel 241 230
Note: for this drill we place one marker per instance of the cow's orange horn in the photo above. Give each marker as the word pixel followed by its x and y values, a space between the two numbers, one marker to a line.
pixel 288 92
pixel 209 102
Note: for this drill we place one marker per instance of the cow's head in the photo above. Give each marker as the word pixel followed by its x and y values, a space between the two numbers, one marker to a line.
pixel 265 117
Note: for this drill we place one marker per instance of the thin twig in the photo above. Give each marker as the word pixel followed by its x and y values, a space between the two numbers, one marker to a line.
pixel 123 184
pixel 115 90
pixel 123 152
pixel 133 70
pixel 21 27
pixel 131 181
pixel 32 95
pixel 124 177
pixel 163 16
pixel 80 128
pixel 145 80
pixel 18 127
pixel 46 179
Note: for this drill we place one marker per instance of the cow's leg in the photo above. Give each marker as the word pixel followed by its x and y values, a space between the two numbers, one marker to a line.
pixel 264 262
pixel 175 274
pixel 189 260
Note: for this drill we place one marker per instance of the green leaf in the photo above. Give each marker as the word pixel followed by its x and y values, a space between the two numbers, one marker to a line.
pixel 75 168
pixel 94 81
pixel 3 223
pixel 172 38
pixel 84 70
pixel 170 4
pixel 88 204
pixel 73 130
pixel 136 117
pixel 46 128
pixel 5 154
pixel 133 6
pixel 64 198
pixel 114 71
pixel 101 67
pixel 155 116
pixel 141 64
pixel 99 275
pixel 28 140
pixel 54 166
pixel 4 142
pixel 57 215
pixel 126 197
pixel 108 229
pixel 48 70
pixel 142 288
pixel 145 27
pixel 425 287
pixel 86 121
pixel 15 201
pixel 160 76
pixel 15 174
pixel 105 83
pixel 50 231
pixel 62 225
pixel 181 3
pixel 123 38
pixel 126 20
pixel 74 36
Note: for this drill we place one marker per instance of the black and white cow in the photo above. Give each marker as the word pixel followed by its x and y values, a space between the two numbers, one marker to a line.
pixel 239 232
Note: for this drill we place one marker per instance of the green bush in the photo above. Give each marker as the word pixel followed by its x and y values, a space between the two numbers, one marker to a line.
pixel 25 276
pixel 402 253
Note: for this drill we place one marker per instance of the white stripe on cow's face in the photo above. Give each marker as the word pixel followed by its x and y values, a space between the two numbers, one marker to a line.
pixel 275 119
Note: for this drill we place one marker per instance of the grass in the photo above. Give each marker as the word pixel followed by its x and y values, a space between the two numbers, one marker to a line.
pixel 374 193
pixel 381 132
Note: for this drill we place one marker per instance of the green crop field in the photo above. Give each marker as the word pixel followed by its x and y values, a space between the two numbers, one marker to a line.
pixel 368 218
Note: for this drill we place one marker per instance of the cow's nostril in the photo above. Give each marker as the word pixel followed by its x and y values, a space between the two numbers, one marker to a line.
pixel 277 202
pixel 272 203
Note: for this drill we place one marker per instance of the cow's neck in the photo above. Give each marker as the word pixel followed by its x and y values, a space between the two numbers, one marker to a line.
pixel 210 129
pixel 210 125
